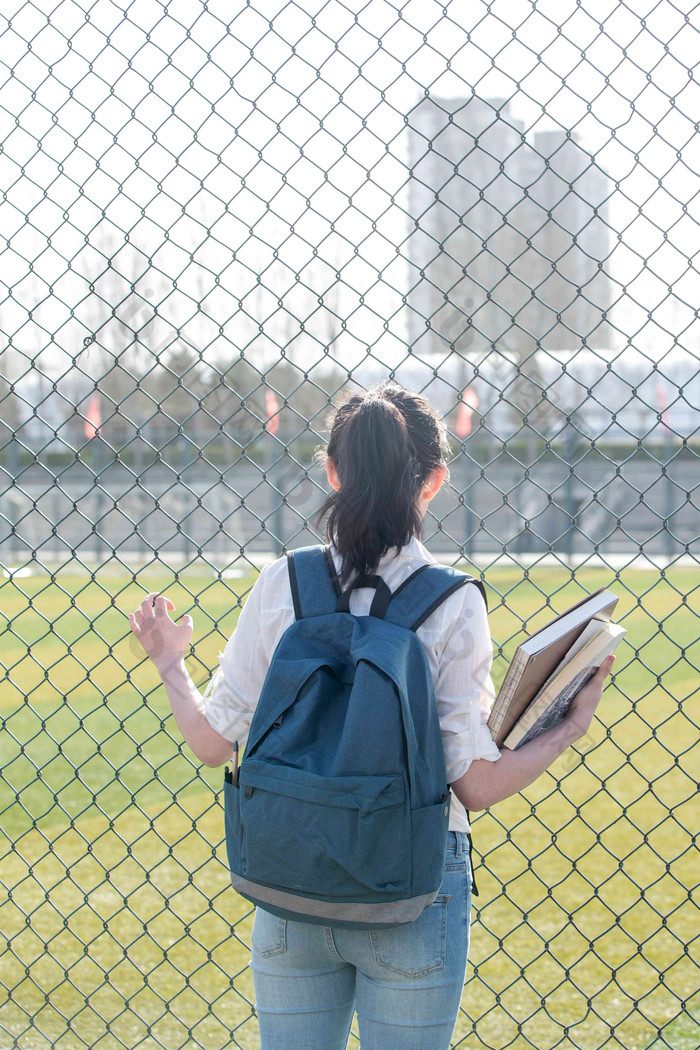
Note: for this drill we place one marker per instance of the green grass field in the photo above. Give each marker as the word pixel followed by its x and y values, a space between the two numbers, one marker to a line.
pixel 120 925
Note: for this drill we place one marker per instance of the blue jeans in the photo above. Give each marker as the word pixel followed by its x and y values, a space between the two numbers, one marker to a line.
pixel 405 983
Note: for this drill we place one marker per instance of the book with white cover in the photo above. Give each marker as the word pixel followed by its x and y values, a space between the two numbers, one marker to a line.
pixel 551 705
pixel 536 658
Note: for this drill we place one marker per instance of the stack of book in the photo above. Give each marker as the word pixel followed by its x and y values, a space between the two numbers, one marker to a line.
pixel 551 666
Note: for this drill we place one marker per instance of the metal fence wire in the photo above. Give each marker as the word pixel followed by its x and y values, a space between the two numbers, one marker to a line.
pixel 219 218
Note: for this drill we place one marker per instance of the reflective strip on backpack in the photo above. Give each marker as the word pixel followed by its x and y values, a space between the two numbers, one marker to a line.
pixel 391 912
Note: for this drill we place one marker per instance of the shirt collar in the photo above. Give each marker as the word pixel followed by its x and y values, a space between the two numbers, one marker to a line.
pixel 414 549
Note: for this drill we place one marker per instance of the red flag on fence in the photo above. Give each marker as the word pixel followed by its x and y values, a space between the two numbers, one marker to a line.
pixel 272 408
pixel 469 401
pixel 93 417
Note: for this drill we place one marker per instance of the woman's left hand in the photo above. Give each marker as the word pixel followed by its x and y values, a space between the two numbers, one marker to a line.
pixel 164 641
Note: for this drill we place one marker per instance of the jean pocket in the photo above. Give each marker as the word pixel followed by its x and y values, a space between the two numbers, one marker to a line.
pixel 269 934
pixel 416 948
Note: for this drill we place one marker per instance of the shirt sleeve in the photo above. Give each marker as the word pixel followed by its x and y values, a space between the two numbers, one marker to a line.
pixel 232 693
pixel 464 689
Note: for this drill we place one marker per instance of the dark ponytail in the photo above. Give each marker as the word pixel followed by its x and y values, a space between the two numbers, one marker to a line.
pixel 383 443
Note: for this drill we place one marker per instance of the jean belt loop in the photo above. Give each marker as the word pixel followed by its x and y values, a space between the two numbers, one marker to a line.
pixel 459 837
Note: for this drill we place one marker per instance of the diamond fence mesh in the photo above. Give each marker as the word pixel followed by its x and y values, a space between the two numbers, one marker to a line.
pixel 217 220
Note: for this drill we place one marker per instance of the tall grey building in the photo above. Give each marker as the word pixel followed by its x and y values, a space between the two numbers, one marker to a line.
pixel 507 234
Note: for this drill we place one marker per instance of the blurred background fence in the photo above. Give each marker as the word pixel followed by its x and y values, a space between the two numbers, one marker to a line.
pixel 217 220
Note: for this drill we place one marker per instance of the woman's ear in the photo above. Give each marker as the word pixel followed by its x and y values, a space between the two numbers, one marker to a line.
pixel 434 481
pixel 332 474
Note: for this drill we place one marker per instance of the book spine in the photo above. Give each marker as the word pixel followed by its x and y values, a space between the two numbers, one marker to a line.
pixel 507 690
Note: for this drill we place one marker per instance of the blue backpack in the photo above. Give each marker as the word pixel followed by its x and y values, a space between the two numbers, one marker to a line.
pixel 339 812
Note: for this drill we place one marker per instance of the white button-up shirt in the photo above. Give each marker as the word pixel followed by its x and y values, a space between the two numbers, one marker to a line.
pixel 456 638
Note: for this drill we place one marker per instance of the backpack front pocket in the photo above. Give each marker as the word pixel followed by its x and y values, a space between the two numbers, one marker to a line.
pixel 335 838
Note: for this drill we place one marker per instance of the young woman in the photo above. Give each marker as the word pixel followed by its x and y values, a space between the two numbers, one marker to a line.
pixel 385 461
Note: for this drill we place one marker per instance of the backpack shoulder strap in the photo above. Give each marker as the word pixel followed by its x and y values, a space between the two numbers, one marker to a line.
pixel 426 589
pixel 313 580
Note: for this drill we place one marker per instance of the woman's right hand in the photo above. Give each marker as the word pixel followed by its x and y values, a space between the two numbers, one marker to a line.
pixel 586 700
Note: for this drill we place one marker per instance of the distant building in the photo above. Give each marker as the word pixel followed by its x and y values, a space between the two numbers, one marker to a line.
pixel 507 236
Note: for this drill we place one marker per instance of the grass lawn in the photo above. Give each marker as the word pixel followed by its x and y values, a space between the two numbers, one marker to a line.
pixel 121 928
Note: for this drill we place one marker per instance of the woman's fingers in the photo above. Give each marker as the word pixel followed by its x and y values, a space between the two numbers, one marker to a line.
pixel 586 700
pixel 146 606
pixel 606 667
pixel 158 635
pixel 155 604
pixel 162 605
pixel 595 687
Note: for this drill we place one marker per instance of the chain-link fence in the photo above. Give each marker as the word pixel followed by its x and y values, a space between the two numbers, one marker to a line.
pixel 217 219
